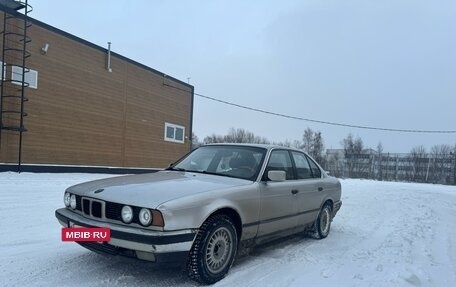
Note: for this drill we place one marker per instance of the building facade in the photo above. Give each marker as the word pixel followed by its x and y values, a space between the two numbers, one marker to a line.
pixel 84 105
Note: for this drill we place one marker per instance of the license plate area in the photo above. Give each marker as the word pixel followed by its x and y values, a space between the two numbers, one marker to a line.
pixel 75 232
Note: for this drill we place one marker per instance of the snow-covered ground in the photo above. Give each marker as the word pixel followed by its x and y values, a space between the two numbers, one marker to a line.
pixel 386 234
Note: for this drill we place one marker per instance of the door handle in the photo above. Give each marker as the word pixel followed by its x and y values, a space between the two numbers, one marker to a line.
pixel 294 191
pixel 320 188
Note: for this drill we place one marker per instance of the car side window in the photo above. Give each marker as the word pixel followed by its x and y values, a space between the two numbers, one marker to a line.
pixel 302 165
pixel 316 172
pixel 280 160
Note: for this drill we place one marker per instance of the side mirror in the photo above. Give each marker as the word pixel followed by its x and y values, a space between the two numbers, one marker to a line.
pixel 327 172
pixel 277 175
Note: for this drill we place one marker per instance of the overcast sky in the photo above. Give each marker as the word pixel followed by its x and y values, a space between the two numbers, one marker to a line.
pixel 388 64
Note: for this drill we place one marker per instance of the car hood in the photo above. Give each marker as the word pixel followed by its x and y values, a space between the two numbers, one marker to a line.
pixel 151 190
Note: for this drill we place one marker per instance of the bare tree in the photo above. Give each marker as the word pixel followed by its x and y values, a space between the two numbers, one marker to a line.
pixel 353 149
pixel 317 148
pixel 213 139
pixel 313 144
pixel 419 162
pixel 379 161
pixel 236 136
pixel 286 143
pixel 335 164
pixel 307 140
pixel 348 144
pixel 358 147
pixel 441 160
pixel 195 141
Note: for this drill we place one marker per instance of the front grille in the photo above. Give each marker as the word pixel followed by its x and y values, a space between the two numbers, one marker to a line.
pixel 78 203
pixel 96 209
pixel 113 210
pixel 86 206
pixel 92 207
pixel 104 209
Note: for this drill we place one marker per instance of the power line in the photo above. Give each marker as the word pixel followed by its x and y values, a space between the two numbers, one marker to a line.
pixel 318 121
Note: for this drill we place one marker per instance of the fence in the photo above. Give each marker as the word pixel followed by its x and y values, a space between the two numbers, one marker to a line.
pixel 393 167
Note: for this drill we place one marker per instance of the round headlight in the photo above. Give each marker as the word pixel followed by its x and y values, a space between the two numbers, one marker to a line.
pixel 145 217
pixel 73 201
pixel 66 199
pixel 127 214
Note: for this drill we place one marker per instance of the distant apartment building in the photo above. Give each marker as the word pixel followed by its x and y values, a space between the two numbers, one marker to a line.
pixel 392 166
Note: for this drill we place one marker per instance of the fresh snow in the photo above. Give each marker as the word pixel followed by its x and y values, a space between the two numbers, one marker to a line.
pixel 386 234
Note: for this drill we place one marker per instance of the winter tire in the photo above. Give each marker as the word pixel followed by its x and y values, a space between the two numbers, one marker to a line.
pixel 213 251
pixel 322 225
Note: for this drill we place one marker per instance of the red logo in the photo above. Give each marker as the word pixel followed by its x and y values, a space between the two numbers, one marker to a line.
pixel 96 234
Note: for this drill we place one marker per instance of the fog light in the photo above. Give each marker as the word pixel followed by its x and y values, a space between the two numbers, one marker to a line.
pixel 127 214
pixel 73 201
pixel 145 217
pixel 66 199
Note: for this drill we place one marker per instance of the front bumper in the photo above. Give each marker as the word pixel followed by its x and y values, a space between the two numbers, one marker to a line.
pixel 158 246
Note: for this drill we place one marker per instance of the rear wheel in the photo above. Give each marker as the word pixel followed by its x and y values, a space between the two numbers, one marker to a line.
pixel 322 225
pixel 213 251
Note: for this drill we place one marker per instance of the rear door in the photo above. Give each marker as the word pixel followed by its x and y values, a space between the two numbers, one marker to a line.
pixel 309 194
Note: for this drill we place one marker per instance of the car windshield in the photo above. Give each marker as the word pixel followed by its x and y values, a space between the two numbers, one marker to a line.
pixel 234 161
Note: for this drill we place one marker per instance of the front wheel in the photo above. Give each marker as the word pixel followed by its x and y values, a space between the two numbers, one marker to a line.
pixel 322 225
pixel 213 251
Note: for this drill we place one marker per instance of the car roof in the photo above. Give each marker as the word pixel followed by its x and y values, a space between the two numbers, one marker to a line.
pixel 265 146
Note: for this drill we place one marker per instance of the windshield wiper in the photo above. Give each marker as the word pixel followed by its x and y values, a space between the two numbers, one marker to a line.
pixel 204 172
pixel 176 168
pixel 215 173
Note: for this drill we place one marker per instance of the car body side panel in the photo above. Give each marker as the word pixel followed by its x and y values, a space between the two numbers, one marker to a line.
pixel 278 207
pixel 192 211
pixel 332 190
pixel 309 200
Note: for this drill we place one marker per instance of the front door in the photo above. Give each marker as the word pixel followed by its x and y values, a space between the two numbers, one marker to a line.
pixel 278 205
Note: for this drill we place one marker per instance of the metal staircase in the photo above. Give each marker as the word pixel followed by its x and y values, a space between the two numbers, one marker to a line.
pixel 13 64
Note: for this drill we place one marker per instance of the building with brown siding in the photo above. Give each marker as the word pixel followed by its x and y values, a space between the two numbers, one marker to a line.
pixel 82 106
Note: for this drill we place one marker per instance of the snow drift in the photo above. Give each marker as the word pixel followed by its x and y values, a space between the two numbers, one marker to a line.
pixel 386 234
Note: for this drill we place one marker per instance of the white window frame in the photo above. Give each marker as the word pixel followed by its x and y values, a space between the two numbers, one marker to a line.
pixel 16 77
pixel 173 138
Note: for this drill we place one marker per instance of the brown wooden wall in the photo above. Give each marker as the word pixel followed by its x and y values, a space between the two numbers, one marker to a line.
pixel 81 114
